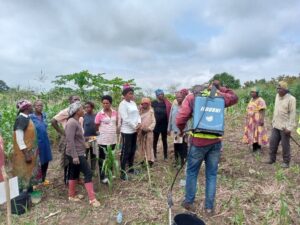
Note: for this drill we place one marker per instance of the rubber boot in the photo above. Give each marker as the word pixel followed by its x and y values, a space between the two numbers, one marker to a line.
pixel 72 188
pixel 90 190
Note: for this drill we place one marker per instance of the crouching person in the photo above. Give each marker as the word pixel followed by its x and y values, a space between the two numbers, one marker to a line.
pixel 75 151
pixel 204 147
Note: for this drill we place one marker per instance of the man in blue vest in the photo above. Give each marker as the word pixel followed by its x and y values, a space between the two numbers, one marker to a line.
pixel 204 147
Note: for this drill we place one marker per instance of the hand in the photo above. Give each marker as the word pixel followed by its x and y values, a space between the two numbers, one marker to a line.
pixel 261 123
pixel 138 126
pixel 76 161
pixel 287 132
pixel 217 84
pixel 27 155
pixel 169 133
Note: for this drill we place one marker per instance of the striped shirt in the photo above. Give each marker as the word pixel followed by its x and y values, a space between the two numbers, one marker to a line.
pixel 107 128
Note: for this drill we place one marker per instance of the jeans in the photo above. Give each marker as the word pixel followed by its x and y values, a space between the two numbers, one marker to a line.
pixel 276 137
pixel 211 155
pixel 164 138
pixel 83 167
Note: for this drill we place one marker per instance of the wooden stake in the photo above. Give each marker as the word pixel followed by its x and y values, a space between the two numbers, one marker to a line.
pixel 7 192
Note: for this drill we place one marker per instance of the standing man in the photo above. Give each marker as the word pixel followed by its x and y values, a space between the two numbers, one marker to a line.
pixel 162 108
pixel 284 121
pixel 62 118
pixel 204 147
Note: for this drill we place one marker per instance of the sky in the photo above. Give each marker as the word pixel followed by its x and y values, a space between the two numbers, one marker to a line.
pixel 158 43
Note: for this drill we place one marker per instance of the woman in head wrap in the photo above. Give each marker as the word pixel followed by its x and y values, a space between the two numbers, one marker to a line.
pixel 180 142
pixel 145 134
pixel 25 154
pixel 162 108
pixel 75 151
pixel 130 122
pixel 255 132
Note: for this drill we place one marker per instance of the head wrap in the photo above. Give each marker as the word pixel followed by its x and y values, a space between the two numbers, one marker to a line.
pixel 184 92
pixel 23 104
pixel 146 101
pixel 126 89
pixel 159 92
pixel 283 85
pixel 73 108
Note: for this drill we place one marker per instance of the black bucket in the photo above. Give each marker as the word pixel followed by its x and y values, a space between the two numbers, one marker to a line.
pixel 21 203
pixel 187 219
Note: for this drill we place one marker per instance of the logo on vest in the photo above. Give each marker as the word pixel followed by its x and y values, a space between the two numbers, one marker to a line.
pixel 210 109
pixel 209 118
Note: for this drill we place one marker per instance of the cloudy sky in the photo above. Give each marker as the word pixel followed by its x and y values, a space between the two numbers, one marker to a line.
pixel 156 42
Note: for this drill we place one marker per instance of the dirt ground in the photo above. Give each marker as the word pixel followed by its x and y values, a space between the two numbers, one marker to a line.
pixel 249 192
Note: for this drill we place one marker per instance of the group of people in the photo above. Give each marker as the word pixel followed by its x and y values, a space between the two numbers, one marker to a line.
pixel 139 128
pixel 283 123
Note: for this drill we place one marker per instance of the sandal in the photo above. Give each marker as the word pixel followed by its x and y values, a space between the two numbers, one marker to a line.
pixel 95 203
pixel 74 199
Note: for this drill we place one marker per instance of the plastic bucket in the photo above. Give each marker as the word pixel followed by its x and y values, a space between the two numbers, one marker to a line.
pixel 187 219
pixel 21 203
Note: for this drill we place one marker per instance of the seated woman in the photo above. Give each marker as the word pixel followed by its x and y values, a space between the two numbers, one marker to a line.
pixel 145 134
pixel 75 151
pixel 25 160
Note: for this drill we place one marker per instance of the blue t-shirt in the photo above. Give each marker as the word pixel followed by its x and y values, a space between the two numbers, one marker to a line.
pixel 89 125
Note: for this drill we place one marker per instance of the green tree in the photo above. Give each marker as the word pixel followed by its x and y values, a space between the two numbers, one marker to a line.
pixel 3 86
pixel 227 80
pixel 92 86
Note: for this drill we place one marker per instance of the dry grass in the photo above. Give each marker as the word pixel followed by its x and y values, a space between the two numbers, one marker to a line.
pixel 249 192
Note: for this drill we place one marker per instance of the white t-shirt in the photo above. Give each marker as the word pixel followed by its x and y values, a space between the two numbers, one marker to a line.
pixel 130 117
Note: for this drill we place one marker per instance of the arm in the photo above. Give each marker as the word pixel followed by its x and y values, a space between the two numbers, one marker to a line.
pixel 292 120
pixel 70 138
pixel 152 125
pixel 262 116
pixel 55 125
pixel 20 139
pixel 229 96
pixel 185 112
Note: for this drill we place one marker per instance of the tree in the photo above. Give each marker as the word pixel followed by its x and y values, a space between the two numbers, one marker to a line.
pixel 92 86
pixel 227 80
pixel 3 86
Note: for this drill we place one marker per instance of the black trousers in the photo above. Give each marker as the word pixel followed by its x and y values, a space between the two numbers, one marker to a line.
pixel 89 153
pixel 83 167
pixel 128 151
pixel 102 156
pixel 180 150
pixel 44 169
pixel 164 137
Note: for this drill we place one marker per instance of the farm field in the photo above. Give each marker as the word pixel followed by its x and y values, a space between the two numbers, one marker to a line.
pixel 249 191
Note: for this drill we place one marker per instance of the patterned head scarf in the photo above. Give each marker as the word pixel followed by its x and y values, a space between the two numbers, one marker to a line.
pixel 184 92
pixel 283 85
pixel 159 92
pixel 73 108
pixel 23 104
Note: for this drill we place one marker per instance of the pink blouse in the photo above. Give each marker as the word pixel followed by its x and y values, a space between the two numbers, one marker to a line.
pixel 107 128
